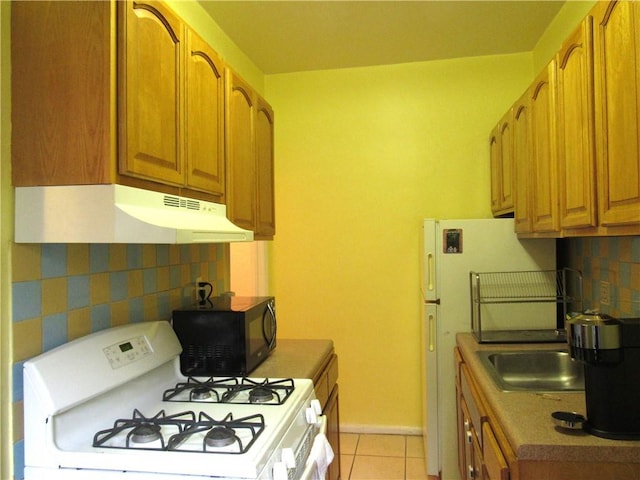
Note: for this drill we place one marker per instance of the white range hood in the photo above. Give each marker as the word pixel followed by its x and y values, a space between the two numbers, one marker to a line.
pixel 118 214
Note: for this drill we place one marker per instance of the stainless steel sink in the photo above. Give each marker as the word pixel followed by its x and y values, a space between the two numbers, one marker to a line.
pixel 533 370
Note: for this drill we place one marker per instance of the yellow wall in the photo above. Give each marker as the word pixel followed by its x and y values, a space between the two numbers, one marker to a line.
pixel 362 155
pixel 197 18
pixel 562 25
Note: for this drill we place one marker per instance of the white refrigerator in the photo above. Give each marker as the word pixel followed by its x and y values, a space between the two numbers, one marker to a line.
pixel 451 249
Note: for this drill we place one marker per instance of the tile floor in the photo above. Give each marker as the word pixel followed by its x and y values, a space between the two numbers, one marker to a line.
pixel 381 457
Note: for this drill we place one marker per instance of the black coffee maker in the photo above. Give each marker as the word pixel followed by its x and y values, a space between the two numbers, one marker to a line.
pixel 609 348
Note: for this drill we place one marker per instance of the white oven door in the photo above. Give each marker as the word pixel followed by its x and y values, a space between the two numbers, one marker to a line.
pixel 320 456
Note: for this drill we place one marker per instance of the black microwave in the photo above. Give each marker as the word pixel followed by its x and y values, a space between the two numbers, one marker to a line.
pixel 225 336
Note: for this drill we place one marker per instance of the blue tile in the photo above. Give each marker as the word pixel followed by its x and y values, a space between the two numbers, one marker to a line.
pixel 635 249
pixel 18 460
pixel 100 317
pixel 54 260
pixel 625 274
pixel 162 255
pixel 136 310
pixel 54 331
pixel 27 300
pixel 164 306
pixel 134 256
pixel 175 276
pixel 98 258
pixel 149 280
pixel 78 291
pixel 185 253
pixel 118 284
pixel 18 381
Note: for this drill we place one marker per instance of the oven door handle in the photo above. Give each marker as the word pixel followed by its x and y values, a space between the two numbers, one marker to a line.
pixel 310 471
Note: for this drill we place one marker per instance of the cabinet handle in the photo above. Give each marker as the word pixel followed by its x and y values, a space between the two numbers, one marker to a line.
pixel 472 471
pixel 469 437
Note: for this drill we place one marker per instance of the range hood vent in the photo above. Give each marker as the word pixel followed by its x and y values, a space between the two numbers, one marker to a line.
pixel 119 214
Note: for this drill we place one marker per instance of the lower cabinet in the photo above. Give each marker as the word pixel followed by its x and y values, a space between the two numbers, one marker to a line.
pixel 326 388
pixel 480 455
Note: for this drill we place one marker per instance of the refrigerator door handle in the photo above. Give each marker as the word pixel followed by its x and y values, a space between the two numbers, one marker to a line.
pixel 430 271
pixel 432 332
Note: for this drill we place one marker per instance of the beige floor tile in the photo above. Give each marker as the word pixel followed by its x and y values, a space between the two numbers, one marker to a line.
pixel 415 469
pixel 346 462
pixel 381 445
pixel 415 447
pixel 348 443
pixel 377 468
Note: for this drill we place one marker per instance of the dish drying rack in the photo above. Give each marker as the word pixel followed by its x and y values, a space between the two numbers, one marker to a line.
pixel 561 287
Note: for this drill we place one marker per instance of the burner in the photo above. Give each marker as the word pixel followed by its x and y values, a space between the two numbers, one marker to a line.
pixel 201 393
pixel 260 395
pixel 220 437
pixel 145 433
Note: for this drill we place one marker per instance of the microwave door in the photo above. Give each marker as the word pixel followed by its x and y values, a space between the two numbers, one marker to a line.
pixel 269 325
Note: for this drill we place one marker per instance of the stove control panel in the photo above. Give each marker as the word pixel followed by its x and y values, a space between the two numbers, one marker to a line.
pixel 129 351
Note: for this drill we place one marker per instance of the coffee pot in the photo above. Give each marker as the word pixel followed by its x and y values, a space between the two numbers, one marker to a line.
pixel 609 348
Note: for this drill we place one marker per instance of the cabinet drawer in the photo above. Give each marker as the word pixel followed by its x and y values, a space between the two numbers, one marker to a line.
pixel 494 461
pixel 326 379
pixel 471 397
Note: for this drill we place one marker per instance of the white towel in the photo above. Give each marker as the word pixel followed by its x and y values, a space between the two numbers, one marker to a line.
pixel 322 455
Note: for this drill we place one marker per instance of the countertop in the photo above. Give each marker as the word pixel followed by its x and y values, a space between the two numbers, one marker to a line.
pixel 295 359
pixel 525 417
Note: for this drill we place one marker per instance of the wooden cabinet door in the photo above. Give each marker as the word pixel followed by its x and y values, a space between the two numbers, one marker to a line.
pixel 150 92
pixel 241 165
pixel 501 157
pixel 506 164
pixel 576 150
pixel 495 465
pixel 544 167
pixel 204 120
pixel 264 123
pixel 61 95
pixel 521 166
pixel 617 94
pixel 495 159
pixel 333 433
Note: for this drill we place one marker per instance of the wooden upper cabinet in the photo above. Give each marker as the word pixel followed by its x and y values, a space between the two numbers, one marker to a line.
pixel 204 123
pixel 150 92
pixel 61 98
pixel 264 128
pixel 250 184
pixel 501 148
pixel 495 160
pixel 575 128
pixel 542 100
pixel 617 94
pixel 522 166
pixel 506 177
pixel 241 165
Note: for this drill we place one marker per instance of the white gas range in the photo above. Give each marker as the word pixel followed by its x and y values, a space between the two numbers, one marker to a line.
pixel 114 404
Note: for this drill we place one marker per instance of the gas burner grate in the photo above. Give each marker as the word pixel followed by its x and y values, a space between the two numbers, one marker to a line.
pixel 231 390
pixel 183 432
pixel 142 432
pixel 229 435
pixel 195 390
pixel 267 392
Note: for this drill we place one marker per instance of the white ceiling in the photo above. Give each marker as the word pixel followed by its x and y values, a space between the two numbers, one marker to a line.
pixel 288 36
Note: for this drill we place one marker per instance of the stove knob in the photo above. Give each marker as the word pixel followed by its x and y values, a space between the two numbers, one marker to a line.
pixel 315 404
pixel 280 471
pixel 288 458
pixel 312 417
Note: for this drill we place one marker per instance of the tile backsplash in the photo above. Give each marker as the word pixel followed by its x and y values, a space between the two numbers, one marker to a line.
pixel 612 261
pixel 65 291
